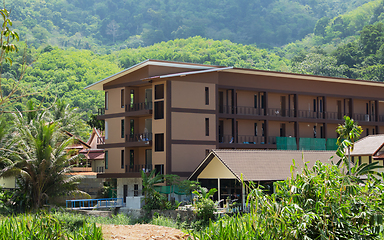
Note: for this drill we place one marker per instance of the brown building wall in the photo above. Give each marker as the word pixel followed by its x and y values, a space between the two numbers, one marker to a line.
pixel 192 95
pixel 360 106
pixel 114 160
pixel 186 157
pixel 114 101
pixel 274 128
pixel 306 130
pixel 292 85
pixel 331 130
pixel 191 126
pixel 114 131
pixel 245 98
pixel 305 102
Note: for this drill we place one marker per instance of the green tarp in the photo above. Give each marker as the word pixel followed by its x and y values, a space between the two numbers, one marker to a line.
pixel 171 189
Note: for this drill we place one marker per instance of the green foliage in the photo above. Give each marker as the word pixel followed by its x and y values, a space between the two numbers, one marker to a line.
pixel 205 207
pixel 41 226
pixel 85 24
pixel 39 161
pixel 319 203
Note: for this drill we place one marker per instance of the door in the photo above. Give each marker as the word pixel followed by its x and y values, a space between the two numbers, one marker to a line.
pixel 282 130
pixel 125 193
pixel 282 106
pixel 148 129
pixel 148 98
pixel 221 131
pixel 339 110
pixel 148 159
pixel 221 102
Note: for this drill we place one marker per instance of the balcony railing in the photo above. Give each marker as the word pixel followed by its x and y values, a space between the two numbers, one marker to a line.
pixel 309 114
pixel 246 139
pixel 139 137
pixel 138 168
pixel 364 117
pixel 278 112
pixel 138 106
pixel 101 111
pixel 334 115
pixel 250 111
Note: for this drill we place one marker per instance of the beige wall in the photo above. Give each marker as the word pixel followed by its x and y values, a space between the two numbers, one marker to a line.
pixel 192 95
pixel 114 160
pixel 97 163
pixel 245 98
pixel 216 169
pixel 306 130
pixel 331 131
pixel 191 126
pixel 186 157
pixel 114 130
pixel 8 182
pixel 114 101
pixel 274 100
pixel 381 108
pixel 274 129
pixel 360 106
pixel 370 130
pixel 305 102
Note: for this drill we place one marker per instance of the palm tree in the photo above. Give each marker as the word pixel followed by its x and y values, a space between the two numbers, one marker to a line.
pixel 40 162
pixel 149 182
pixel 349 132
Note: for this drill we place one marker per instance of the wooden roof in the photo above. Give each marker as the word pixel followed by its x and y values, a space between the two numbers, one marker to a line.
pixel 264 165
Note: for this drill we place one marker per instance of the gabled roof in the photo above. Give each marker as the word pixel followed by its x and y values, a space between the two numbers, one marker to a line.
pixel 202 68
pixel 264 165
pixel 368 145
pixel 77 139
pixel 193 66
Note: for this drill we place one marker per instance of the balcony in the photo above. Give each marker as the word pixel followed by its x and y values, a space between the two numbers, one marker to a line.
pixel 364 117
pixel 137 168
pixel 138 107
pixel 278 112
pixel 310 114
pixel 138 140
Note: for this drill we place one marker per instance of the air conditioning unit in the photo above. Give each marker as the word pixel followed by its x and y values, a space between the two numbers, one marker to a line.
pixel 366 117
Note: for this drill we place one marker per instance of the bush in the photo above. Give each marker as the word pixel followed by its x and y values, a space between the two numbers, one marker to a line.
pixel 205 210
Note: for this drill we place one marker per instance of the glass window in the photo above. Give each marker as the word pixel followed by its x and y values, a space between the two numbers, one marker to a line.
pixel 159 91
pixel 207 96
pixel 207 127
pixel 122 128
pixel 106 159
pixel 122 98
pixel 159 110
pixel 122 159
pixel 159 142
pixel 106 100
pixel 131 158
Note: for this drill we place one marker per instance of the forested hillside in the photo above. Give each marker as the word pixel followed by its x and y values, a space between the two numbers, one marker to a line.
pixel 69 46
pixel 94 24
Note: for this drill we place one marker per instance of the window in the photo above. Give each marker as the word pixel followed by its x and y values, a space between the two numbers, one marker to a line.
pixel 255 101
pixel 132 98
pixel 353 159
pixel 159 142
pixel 321 105
pixel 122 159
pixel 159 91
pixel 159 110
pixel 131 128
pixel 262 129
pixel 321 132
pixel 262 101
pixel 159 169
pixel 206 95
pixel 106 129
pixel 131 158
pixel 359 160
pixel 373 131
pixel 314 105
pixel 106 159
pixel 122 128
pixel 207 127
pixel 256 129
pixel 135 190
pixel 370 159
pixel 367 131
pixel 106 100
pixel 122 98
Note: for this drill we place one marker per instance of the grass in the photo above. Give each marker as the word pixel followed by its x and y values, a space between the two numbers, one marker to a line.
pixel 44 226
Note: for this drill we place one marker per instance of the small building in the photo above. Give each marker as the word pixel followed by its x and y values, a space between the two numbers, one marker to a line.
pixel 225 169
pixel 369 149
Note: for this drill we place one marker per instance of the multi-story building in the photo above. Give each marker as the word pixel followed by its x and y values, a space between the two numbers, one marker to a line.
pixel 168 115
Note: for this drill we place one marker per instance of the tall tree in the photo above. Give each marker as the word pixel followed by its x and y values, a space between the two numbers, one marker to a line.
pixel 349 132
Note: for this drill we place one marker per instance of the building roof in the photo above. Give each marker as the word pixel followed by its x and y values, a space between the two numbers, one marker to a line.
pixel 201 68
pixel 264 165
pixel 368 145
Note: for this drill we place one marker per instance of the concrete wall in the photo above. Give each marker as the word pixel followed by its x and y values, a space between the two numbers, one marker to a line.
pixel 130 182
pixel 8 182
pixel 192 95
pixel 114 160
pixel 191 126
pixel 114 101
pixel 186 157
